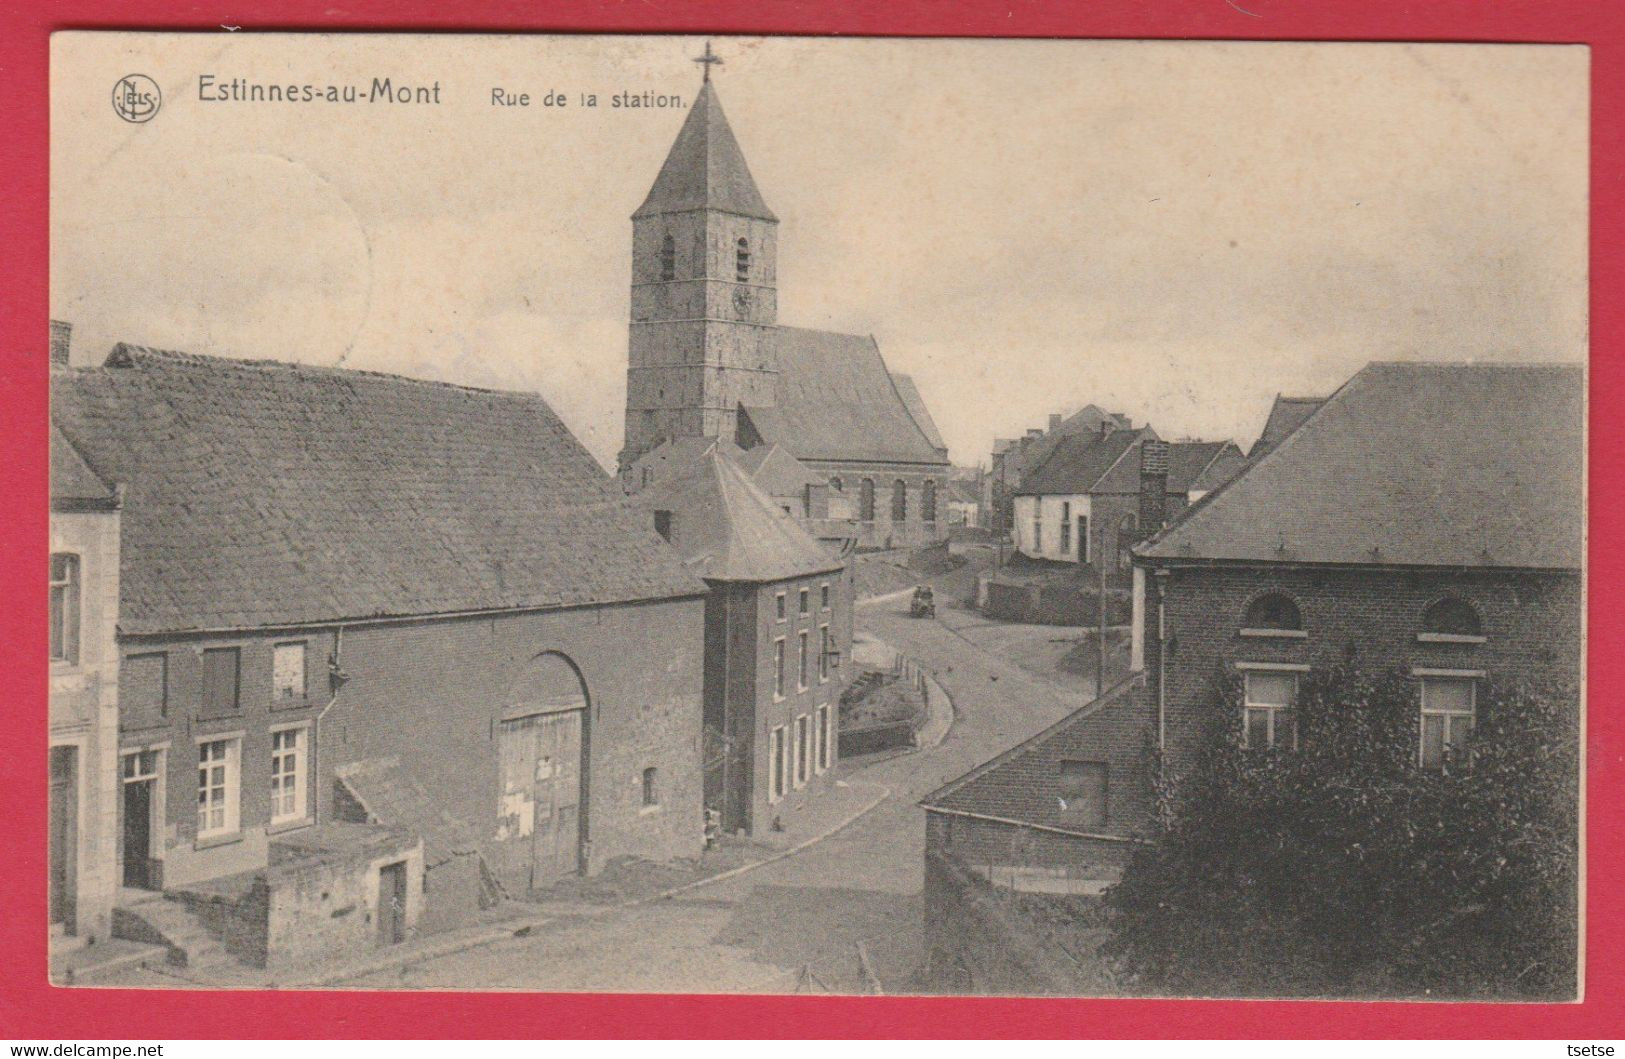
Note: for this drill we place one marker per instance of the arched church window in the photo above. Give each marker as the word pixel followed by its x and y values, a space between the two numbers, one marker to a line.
pixel 866 500
pixel 668 258
pixel 928 501
pixel 742 259
pixel 899 501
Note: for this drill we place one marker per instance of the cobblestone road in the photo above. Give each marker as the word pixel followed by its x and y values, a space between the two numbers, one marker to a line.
pixel 792 925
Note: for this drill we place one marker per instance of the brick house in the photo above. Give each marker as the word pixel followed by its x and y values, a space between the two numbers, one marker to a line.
pixel 708 358
pixel 1450 548
pixel 358 601
pixel 778 620
pixel 84 588
pixel 1085 501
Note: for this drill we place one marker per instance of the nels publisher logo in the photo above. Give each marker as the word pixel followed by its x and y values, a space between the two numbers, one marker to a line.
pixel 136 98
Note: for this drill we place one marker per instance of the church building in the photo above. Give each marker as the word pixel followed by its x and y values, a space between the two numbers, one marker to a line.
pixel 708 357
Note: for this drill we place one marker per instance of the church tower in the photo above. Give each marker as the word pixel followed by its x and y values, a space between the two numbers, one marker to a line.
pixel 704 296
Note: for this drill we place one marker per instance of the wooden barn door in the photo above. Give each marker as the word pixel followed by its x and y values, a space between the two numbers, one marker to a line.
pixel 541 795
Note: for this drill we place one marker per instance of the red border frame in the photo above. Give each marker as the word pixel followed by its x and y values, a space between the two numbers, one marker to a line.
pixel 30 1008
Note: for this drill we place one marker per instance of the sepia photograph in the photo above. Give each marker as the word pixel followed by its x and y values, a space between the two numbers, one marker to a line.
pixel 815 515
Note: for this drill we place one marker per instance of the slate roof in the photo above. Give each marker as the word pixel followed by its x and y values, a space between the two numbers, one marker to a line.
pixel 1226 465
pixel 837 401
pixel 1187 460
pixel 1086 420
pixel 271 494
pixel 916 408
pixel 1286 415
pixel 775 472
pixel 73 483
pixel 1078 462
pixel 727 529
pixel 1477 465
pixel 705 168
pixel 389 794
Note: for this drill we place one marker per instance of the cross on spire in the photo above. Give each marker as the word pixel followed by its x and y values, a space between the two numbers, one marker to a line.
pixel 708 60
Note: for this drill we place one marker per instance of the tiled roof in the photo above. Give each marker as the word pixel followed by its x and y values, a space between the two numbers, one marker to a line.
pixel 268 494
pixel 72 481
pixel 390 795
pixel 1186 462
pixel 1412 464
pixel 1086 420
pixel 727 529
pixel 836 401
pixel 1078 463
pixel 775 472
pixel 1225 465
pixel 1286 415
pixel 705 168
pixel 916 408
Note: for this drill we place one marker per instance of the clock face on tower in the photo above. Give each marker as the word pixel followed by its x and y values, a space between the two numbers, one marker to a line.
pixel 742 300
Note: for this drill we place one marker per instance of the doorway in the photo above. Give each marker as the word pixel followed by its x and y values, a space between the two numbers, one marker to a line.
pixel 541 787
pixel 64 835
pixel 392 903
pixel 140 801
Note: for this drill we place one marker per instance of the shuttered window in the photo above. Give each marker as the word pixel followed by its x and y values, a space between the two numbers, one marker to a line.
pixel 144 686
pixel 220 673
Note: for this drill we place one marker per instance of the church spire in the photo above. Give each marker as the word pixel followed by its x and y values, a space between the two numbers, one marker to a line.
pixel 705 169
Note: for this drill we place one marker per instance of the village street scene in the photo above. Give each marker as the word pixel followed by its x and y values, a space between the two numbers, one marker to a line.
pixel 799 672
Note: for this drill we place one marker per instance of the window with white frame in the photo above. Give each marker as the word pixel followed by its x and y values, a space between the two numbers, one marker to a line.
pixel 829 737
pixel 803 749
pixel 1269 718
pixel 775 764
pixel 288 672
pixel 1066 526
pixel 823 595
pixel 217 787
pixel 803 602
pixel 288 749
pixel 778 606
pixel 64 608
pixel 823 653
pixel 778 668
pixel 1038 534
pixel 801 660
pixel 1449 709
pixel 820 739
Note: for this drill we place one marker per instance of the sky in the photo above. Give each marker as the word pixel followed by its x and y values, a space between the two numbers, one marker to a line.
pixel 1178 231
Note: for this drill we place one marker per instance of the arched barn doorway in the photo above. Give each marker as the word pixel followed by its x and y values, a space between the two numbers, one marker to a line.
pixel 542 743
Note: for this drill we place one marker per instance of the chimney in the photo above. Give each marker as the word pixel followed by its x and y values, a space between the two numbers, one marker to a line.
pixel 1153 485
pixel 1054 422
pixel 61 340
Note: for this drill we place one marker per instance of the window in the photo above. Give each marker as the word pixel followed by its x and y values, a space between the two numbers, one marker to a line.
pixel 1268 711
pixel 778 606
pixel 64 608
pixel 806 500
pixel 775 763
pixel 1066 527
pixel 668 258
pixel 821 739
pixel 1038 534
pixel 802 605
pixel 828 757
pixel 928 501
pixel 1129 531
pixel 1449 706
pixel 1082 792
pixel 141 765
pixel 835 484
pixel 1085 552
pixel 899 501
pixel 1452 618
pixel 801 654
pixel 217 787
pixel 778 667
pixel 823 653
pixel 663 524
pixel 144 685
pixel 220 678
pixel 288 775
pixel 288 671
pixel 1273 611
pixel 823 596
pixel 651 795
pixel 742 260
pixel 803 750
pixel 866 500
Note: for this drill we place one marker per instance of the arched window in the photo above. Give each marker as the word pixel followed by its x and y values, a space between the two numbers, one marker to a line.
pixel 1452 617
pixel 668 258
pixel 835 483
pixel 899 501
pixel 866 500
pixel 742 260
pixel 1273 610
pixel 928 501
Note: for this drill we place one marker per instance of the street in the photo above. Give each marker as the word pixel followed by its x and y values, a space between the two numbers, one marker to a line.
pixel 795 924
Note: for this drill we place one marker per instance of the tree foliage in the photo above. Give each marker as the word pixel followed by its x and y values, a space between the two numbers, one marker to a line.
pixel 1343 868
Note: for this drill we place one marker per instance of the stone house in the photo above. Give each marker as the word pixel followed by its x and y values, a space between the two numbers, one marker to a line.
pixel 375 622
pixel 84 674
pixel 778 621
pixel 708 357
